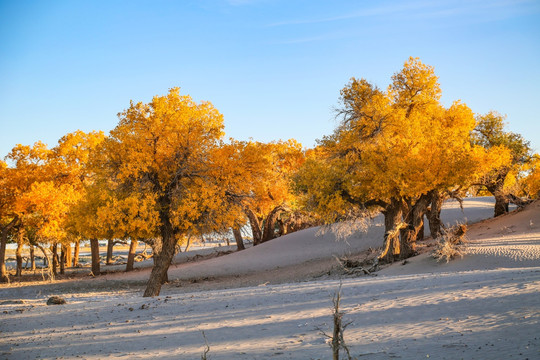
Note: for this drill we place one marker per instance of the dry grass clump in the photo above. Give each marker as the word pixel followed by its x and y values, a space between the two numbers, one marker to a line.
pixel 364 263
pixel 451 244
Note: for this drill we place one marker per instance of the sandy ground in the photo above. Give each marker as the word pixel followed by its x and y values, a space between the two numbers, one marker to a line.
pixel 273 301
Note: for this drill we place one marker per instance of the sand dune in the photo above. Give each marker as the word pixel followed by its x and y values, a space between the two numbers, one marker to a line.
pixel 484 306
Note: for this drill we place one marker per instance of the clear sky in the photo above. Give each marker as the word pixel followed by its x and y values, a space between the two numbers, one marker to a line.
pixel 274 68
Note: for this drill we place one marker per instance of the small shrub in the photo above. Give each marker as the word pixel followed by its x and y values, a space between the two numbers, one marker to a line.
pixel 451 244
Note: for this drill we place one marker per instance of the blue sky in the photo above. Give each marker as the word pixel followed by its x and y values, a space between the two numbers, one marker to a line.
pixel 274 68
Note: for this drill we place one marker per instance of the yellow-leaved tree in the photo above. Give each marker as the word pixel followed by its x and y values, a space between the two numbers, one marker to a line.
pixel 264 189
pixel 167 152
pixel 531 182
pixel 8 216
pixel 69 166
pixel 29 168
pixel 490 134
pixel 44 185
pixel 395 150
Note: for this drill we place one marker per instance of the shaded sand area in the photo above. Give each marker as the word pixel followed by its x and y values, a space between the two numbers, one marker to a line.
pixel 273 300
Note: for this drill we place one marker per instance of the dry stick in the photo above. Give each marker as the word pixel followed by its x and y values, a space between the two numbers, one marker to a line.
pixel 337 332
pixel 337 338
pixel 206 347
pixel 355 267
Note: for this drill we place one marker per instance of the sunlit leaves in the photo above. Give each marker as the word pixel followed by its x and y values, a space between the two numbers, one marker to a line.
pixel 531 182
pixel 398 144
pixel 162 162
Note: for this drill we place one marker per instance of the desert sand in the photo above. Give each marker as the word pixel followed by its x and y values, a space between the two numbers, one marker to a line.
pixel 274 301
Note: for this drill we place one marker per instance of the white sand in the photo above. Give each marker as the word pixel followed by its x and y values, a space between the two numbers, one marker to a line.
pixel 484 306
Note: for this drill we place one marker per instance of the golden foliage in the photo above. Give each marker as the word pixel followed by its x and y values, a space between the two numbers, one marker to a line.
pixel 401 143
pixel 162 165
pixel 265 178
pixel 531 183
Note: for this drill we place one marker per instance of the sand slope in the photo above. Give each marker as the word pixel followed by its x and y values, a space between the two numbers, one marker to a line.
pixel 484 306
pixel 307 246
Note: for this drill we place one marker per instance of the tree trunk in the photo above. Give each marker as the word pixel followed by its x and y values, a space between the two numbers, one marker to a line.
pixel 76 253
pixel 94 249
pixel 163 254
pixel 32 258
pixel 238 237
pixel 501 204
pixel 110 246
pixel 434 214
pixel 54 250
pixel 414 219
pixel 62 259
pixel 270 224
pixel 496 187
pixel 5 232
pixel 392 225
pixel 131 254
pixel 255 226
pixel 67 248
pixel 166 247
pixel 18 252
pixel 421 231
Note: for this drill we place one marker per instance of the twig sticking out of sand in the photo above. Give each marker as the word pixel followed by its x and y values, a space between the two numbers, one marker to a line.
pixel 337 341
pixel 206 347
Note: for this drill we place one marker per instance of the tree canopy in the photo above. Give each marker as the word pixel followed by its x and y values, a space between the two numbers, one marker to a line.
pixel 490 133
pixel 165 173
pixel 165 153
pixel 393 149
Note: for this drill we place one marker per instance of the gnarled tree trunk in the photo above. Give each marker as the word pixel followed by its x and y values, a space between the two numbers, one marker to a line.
pixel 496 188
pixel 131 254
pixel 415 223
pixel 392 226
pixel 255 226
pixel 414 218
pixel 164 249
pixel 434 214
pixel 156 251
pixel 502 203
pixel 163 256
pixel 238 237
pixel 94 249
pixel 420 235
pixel 270 223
